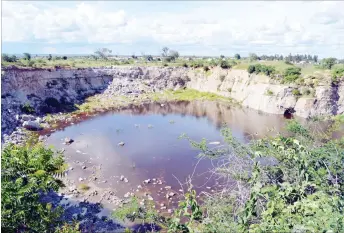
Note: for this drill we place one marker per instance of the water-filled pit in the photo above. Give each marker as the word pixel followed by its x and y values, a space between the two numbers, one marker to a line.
pixel 152 149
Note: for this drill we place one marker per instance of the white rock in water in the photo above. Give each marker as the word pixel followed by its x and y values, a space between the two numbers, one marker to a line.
pixel 168 187
pixel 147 181
pixel 150 198
pixel 214 143
pixel 121 144
pixel 68 140
pixel 33 125
pixel 81 179
pixel 126 180
pixel 121 178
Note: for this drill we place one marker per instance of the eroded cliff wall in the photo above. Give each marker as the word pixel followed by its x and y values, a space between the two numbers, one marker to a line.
pixel 40 88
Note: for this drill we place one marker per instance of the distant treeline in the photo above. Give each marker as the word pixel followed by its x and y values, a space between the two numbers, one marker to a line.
pixel 289 58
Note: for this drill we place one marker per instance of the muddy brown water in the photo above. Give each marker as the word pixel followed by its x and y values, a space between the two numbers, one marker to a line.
pixel 152 146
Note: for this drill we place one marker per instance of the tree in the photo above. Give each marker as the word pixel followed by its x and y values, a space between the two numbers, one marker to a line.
pixel 148 57
pixel 27 56
pixel 8 58
pixel 103 53
pixel 27 174
pixel 169 55
pixel 165 51
pixel 64 57
pixel 50 57
pixel 328 63
pixel 222 56
pixel 237 56
pixel 173 55
pixel 253 57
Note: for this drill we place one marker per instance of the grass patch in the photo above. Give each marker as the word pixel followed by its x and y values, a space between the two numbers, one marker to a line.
pixel 189 95
pixel 84 187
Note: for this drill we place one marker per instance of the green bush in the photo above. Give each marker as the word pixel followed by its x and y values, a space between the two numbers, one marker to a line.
pixel 337 74
pixel 8 58
pixel 259 68
pixel 224 64
pixel 296 92
pixel 26 174
pixel 251 69
pixel 328 63
pixel 27 108
pixel 292 71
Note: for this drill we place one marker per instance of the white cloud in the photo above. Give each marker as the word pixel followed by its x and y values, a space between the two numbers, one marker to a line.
pixel 274 26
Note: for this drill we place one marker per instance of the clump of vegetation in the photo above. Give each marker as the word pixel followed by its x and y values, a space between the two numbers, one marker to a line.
pixel 237 56
pixel 337 74
pixel 27 108
pixel 259 68
pixel 328 63
pixel 84 187
pixel 303 191
pixel 269 92
pixel 27 174
pixel 224 64
pixel 296 92
pixel 291 74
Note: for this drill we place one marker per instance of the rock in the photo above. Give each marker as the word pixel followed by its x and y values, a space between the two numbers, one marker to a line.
pixel 169 211
pixel 127 195
pixel 162 105
pixel 81 179
pixel 150 198
pixel 168 187
pixel 83 167
pixel 171 194
pixel 126 180
pixel 31 125
pixel 121 178
pixel 162 204
pixel 159 182
pixel 139 187
pixel 26 117
pixel 147 181
pixel 214 143
pixel 163 207
pixel 180 190
pixel 121 144
pixel 208 187
pixel 68 141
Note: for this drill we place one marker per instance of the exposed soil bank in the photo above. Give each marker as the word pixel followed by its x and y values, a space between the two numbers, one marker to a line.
pixel 55 90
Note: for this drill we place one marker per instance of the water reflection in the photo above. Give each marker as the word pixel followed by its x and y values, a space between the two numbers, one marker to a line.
pixel 152 148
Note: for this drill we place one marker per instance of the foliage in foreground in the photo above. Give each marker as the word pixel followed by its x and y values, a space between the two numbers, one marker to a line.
pixel 27 173
pixel 301 191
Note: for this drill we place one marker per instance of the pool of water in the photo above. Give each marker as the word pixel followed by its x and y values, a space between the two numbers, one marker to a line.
pixel 152 148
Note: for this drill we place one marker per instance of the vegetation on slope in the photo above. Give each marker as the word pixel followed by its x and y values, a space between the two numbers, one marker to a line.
pixel 27 174
pixel 302 191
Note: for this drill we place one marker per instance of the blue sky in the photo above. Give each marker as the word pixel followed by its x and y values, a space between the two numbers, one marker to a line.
pixel 191 27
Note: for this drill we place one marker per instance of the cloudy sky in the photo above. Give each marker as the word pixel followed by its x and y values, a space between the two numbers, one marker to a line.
pixel 191 27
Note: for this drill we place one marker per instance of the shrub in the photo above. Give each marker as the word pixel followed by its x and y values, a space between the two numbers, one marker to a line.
pixel 269 92
pixel 27 108
pixel 206 68
pixel 185 65
pixel 290 78
pixel 64 57
pixel 84 187
pixel 224 64
pixel 337 74
pixel 8 58
pixel 251 69
pixel 258 68
pixel 296 92
pixel 27 173
pixel 292 71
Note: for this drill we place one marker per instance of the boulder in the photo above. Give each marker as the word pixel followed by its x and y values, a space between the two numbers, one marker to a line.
pixel 31 125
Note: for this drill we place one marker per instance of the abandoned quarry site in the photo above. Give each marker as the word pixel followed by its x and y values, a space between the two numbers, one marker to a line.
pixel 164 141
